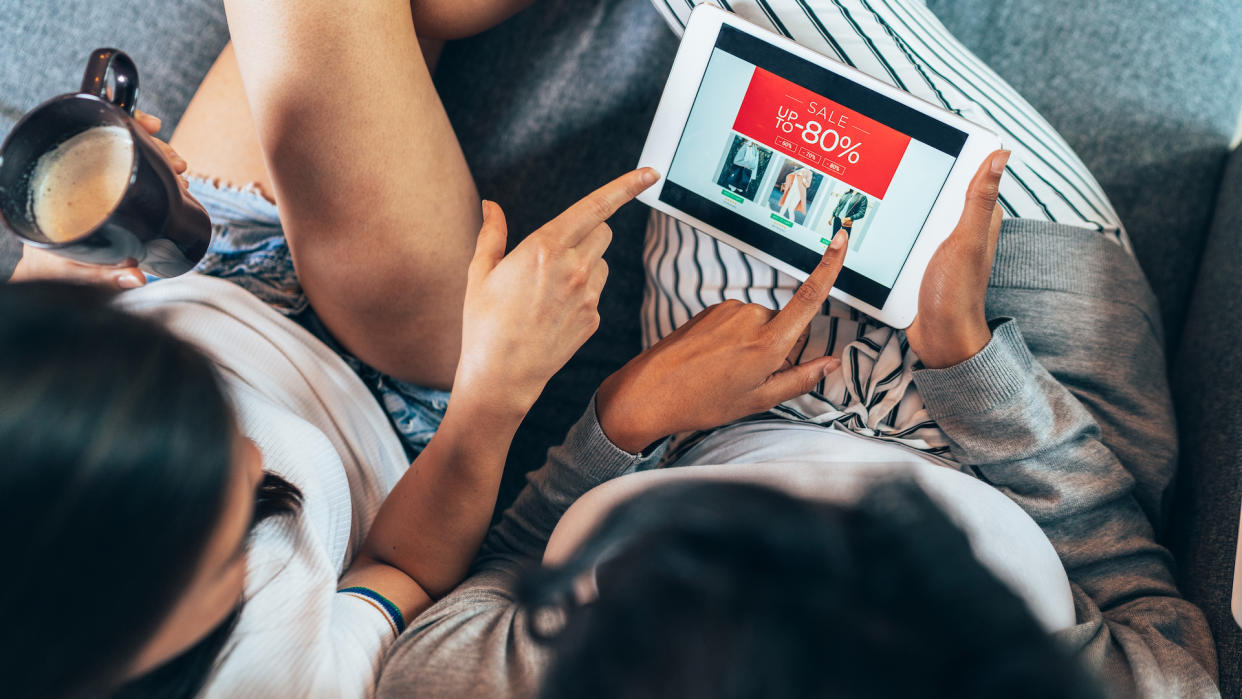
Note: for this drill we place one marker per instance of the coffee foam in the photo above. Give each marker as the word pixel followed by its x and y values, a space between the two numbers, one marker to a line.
pixel 76 185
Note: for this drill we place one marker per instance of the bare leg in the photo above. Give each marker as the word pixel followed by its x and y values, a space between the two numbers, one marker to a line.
pixel 375 197
pixel 216 134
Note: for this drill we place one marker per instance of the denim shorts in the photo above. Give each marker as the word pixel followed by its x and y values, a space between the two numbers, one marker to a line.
pixel 248 248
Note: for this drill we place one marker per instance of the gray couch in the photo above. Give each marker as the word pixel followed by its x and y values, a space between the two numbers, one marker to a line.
pixel 1148 93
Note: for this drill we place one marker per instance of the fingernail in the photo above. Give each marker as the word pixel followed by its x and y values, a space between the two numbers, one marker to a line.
pixel 838 240
pixel 128 281
pixel 649 176
pixel 485 202
pixel 998 162
pixel 830 368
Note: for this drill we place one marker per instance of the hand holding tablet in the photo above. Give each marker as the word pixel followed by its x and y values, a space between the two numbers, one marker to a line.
pixel 952 324
pixel 772 148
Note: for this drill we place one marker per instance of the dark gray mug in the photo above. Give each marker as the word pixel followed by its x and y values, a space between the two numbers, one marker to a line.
pixel 154 225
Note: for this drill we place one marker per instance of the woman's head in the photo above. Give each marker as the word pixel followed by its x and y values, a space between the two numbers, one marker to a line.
pixel 126 493
pixel 734 590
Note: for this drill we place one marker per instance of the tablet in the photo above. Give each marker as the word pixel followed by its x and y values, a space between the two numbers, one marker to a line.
pixel 771 148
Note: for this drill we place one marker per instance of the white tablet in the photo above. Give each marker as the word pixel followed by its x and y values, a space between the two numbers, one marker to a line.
pixel 771 147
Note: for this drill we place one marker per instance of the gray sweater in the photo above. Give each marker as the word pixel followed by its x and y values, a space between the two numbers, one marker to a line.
pixel 1073 422
pixel 10 254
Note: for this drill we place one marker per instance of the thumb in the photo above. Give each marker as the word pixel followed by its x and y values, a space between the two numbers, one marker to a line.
pixel 982 195
pixel 796 380
pixel 129 278
pixel 489 250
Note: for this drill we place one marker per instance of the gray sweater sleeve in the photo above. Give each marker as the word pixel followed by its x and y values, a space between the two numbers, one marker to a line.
pixel 1024 433
pixel 10 254
pixel 475 642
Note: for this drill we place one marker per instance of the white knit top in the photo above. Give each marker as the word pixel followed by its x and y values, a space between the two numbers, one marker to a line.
pixel 318 427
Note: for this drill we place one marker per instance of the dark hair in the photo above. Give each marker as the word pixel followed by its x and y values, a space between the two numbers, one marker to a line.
pixel 117 443
pixel 187 674
pixel 732 590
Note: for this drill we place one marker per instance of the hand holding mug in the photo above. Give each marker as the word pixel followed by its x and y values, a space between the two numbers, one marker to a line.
pixel 37 264
pixel 82 177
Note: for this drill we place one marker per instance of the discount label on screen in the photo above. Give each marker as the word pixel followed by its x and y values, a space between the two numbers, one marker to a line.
pixel 811 128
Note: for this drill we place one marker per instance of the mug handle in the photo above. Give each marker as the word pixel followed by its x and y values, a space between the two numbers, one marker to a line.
pixel 124 72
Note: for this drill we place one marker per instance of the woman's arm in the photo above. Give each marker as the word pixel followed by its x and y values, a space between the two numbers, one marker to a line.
pixel 526 313
pixel 1026 434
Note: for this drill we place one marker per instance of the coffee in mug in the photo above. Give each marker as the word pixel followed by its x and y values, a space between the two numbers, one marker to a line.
pixel 80 182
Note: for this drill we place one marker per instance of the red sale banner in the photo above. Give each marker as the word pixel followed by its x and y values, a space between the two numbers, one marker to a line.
pixel 830 138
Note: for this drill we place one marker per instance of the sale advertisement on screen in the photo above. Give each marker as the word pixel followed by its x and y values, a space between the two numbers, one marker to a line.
pixel 844 144
pixel 801 165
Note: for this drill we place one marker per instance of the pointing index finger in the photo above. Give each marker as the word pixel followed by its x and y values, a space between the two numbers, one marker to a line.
pixel 584 216
pixel 797 314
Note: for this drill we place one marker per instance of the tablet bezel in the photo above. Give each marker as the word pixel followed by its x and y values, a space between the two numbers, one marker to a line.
pixel 680 92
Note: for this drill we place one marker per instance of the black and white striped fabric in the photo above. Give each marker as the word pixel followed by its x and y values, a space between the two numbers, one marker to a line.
pixel 902 43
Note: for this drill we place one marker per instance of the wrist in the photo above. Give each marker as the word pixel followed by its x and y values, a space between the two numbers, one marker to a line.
pixel 950 344
pixel 499 409
pixel 493 393
pixel 624 422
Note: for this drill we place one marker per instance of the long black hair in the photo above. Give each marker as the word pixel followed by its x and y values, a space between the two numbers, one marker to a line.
pixel 116 445
pixel 730 590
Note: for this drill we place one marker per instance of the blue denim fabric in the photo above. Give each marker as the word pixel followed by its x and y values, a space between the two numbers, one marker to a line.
pixel 249 248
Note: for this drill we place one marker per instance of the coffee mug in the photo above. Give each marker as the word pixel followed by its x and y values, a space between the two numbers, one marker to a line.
pixel 154 224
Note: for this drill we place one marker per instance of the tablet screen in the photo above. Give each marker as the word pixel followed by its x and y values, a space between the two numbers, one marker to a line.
pixel 780 153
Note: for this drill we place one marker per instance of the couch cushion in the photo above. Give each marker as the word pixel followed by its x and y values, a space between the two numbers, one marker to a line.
pixel 1146 93
pixel 1207 387
pixel 46 45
